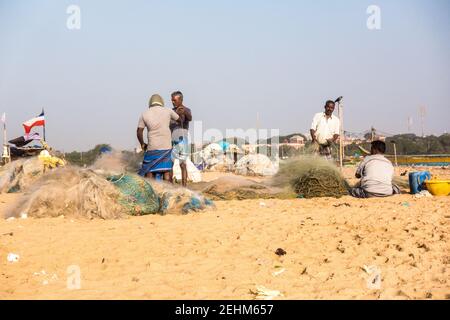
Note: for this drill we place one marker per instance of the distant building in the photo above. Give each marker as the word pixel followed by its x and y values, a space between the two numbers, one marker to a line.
pixel 375 137
pixel 297 140
pixel 352 140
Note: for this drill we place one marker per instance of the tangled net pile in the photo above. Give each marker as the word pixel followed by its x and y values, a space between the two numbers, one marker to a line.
pixel 71 192
pixel 20 174
pixel 317 183
pixel 136 194
pixel 101 191
pixel 312 177
pixel 175 199
pixel 239 188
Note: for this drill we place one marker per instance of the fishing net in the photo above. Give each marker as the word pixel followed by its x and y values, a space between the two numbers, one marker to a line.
pixel 312 177
pixel 136 194
pixel 240 188
pixel 175 200
pixel 143 196
pixel 317 183
pixel 71 192
pixel 98 192
pixel 18 175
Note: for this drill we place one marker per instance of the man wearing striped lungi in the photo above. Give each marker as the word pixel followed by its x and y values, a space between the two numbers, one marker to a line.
pixel 158 152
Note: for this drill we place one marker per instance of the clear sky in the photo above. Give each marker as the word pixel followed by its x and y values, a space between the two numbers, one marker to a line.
pixel 231 59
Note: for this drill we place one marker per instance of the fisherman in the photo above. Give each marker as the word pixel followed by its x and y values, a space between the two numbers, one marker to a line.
pixel 180 132
pixel 325 130
pixel 376 173
pixel 158 151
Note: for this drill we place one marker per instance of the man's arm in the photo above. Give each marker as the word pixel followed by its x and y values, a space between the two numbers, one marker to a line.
pixel 140 133
pixel 187 114
pixel 313 135
pixel 140 137
pixel 181 118
pixel 337 131
pixel 314 128
pixel 358 173
pixel 175 116
pixel 183 114
pixel 360 169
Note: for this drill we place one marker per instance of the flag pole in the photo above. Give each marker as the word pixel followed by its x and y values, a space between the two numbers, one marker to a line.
pixel 342 135
pixel 44 125
pixel 4 133
pixel 341 131
pixel 6 156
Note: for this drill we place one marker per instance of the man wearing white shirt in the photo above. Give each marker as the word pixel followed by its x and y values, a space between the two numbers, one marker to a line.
pixel 325 129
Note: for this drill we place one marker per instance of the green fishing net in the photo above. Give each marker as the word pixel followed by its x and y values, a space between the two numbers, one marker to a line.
pixel 137 195
pixel 320 182
pixel 312 177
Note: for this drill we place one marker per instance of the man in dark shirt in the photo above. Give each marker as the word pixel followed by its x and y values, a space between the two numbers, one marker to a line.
pixel 180 132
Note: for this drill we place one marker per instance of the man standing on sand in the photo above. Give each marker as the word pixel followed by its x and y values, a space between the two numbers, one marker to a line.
pixel 325 130
pixel 180 132
pixel 158 151
pixel 376 173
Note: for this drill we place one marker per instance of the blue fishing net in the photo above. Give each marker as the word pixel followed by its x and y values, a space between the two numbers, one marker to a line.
pixel 196 204
pixel 137 195
pixel 183 202
pixel 140 198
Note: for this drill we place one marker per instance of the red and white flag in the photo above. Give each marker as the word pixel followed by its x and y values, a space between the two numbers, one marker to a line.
pixel 39 121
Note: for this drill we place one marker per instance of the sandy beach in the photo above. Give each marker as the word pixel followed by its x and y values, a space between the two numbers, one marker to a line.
pixel 226 253
pixel 220 150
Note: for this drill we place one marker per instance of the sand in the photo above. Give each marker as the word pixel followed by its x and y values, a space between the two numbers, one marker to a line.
pixel 226 253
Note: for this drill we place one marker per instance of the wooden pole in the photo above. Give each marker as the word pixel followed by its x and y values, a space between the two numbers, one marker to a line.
pixel 395 154
pixel 4 132
pixel 44 125
pixel 6 156
pixel 341 135
pixel 422 114
pixel 235 156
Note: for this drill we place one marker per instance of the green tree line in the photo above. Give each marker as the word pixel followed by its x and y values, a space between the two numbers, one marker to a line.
pixel 86 158
pixel 410 144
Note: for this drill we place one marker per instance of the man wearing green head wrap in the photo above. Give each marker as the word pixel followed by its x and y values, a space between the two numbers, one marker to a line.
pixel 158 151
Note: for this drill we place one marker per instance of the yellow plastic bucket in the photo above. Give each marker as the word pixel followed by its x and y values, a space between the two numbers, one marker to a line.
pixel 438 187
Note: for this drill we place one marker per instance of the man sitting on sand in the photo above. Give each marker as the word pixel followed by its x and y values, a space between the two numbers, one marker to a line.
pixel 158 152
pixel 376 173
pixel 325 130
